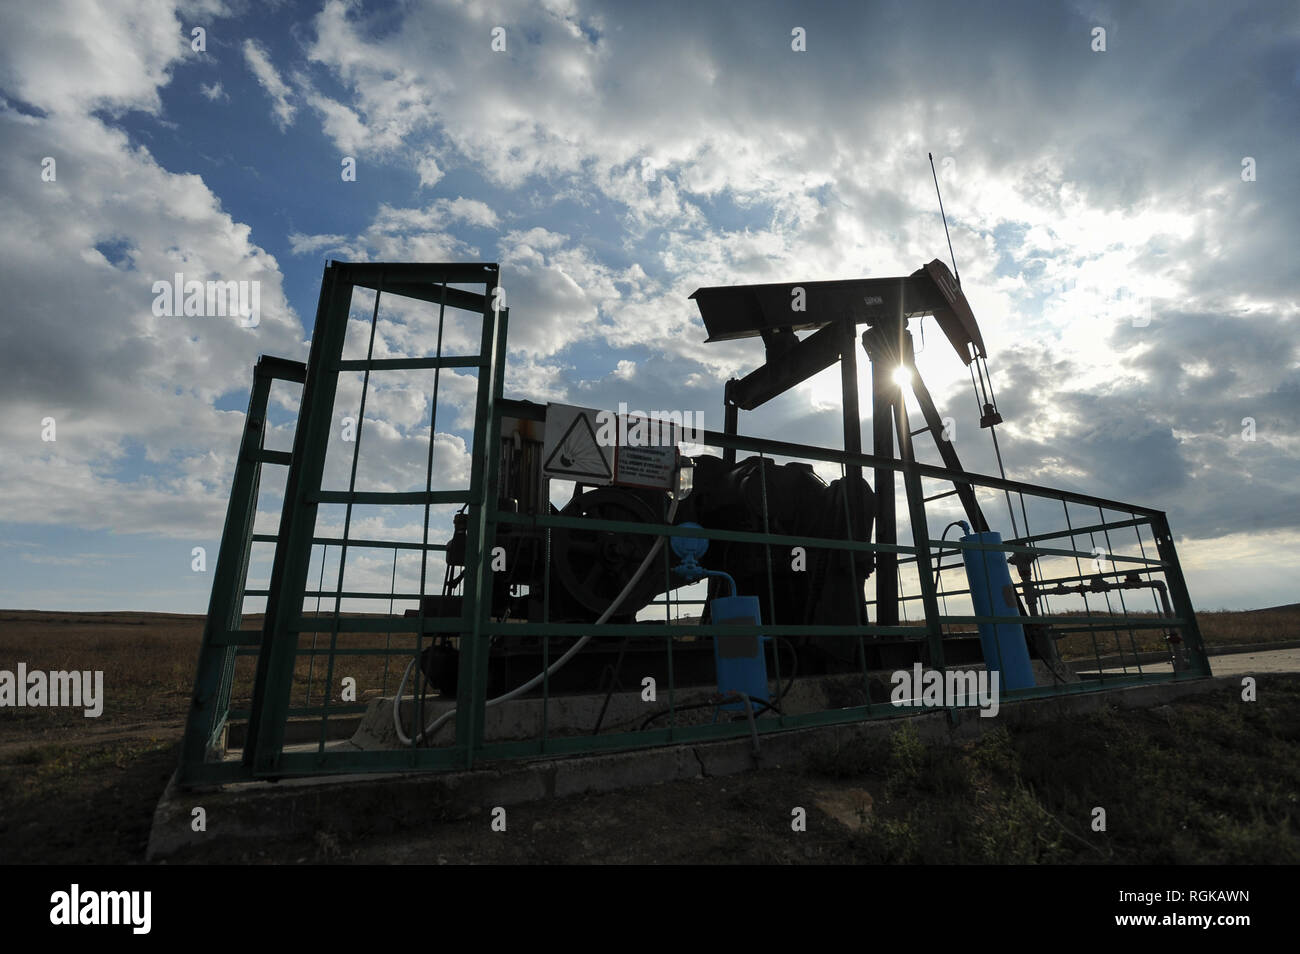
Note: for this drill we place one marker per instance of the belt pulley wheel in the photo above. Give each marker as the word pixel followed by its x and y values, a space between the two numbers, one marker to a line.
pixel 593 565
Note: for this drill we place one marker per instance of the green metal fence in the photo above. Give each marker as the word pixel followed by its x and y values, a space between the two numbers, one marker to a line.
pixel 245 722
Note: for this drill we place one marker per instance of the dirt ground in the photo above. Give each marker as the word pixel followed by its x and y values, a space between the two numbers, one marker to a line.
pixel 1207 779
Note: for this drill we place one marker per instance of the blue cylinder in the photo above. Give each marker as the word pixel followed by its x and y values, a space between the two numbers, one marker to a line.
pixel 993 595
pixel 741 665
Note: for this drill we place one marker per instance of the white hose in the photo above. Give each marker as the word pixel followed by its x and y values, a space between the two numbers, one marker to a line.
pixel 441 720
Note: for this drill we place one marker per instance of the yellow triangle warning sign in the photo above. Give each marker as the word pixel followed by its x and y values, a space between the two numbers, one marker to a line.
pixel 571 448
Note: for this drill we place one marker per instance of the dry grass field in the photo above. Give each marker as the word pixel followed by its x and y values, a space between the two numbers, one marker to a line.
pixel 149 660
pixel 1222 629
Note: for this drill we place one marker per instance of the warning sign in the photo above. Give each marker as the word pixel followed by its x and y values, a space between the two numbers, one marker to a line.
pixel 571 450
pixel 650 467
pixel 600 447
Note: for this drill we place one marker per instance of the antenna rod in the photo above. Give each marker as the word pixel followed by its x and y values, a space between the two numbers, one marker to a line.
pixel 956 274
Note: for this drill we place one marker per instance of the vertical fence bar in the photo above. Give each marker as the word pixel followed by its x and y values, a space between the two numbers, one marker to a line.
pixel 1092 633
pixel 851 532
pixel 210 699
pixel 921 540
pixel 419 685
pixel 347 523
pixel 1105 594
pixel 1123 606
pixel 311 662
pixel 476 602
pixel 1146 570
pixel 1178 596
pixel 284 603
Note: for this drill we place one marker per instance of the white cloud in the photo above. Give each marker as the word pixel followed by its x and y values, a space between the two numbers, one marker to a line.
pixel 469 211
pixel 140 446
pixel 306 244
pixel 67 57
pixel 341 124
pixel 259 61
pixel 430 173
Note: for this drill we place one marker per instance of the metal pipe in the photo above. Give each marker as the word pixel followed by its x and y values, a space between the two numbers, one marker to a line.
pixel 552 668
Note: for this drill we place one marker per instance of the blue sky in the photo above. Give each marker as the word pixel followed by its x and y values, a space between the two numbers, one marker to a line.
pixel 613 158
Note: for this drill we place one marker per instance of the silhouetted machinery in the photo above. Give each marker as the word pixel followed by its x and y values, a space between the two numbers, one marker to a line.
pixel 585 569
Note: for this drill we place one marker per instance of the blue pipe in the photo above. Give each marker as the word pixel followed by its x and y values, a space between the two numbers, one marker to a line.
pixel 741 664
pixel 993 594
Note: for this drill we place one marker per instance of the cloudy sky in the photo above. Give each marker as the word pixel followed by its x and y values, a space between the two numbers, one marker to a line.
pixel 613 158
